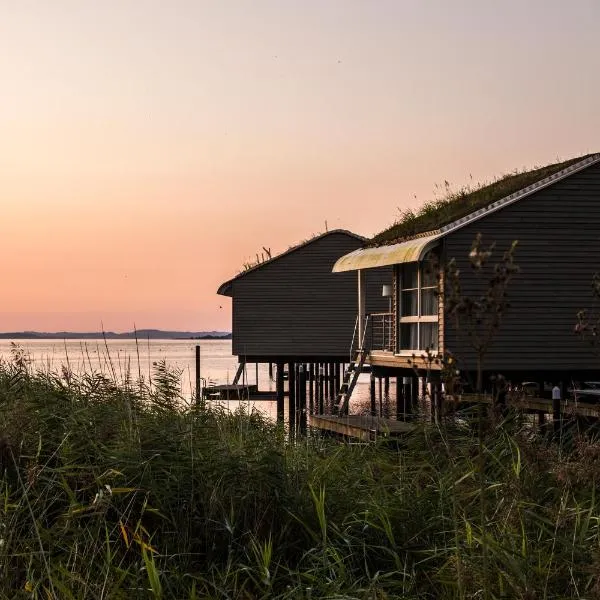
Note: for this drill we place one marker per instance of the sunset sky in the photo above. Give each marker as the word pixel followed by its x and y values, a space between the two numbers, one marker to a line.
pixel 149 148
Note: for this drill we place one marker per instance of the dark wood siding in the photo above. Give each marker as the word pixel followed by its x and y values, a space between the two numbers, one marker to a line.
pixel 558 230
pixel 295 305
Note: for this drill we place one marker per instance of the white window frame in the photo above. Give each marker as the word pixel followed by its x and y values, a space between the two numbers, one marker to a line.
pixel 416 318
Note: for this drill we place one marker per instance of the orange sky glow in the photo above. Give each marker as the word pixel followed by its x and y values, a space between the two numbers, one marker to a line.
pixel 148 149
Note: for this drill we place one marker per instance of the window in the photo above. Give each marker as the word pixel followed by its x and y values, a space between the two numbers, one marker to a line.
pixel 418 315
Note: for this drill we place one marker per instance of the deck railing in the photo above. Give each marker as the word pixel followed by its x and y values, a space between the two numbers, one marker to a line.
pixel 382 331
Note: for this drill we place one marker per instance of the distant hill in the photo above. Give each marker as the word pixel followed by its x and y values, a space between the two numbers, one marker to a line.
pixel 142 334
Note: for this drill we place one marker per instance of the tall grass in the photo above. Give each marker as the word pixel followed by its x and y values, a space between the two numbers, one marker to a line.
pixel 454 205
pixel 113 491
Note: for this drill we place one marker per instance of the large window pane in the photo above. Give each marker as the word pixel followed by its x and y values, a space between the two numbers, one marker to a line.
pixel 409 333
pixel 418 299
pixel 409 301
pixel 429 336
pixel 428 276
pixel 429 302
pixel 410 277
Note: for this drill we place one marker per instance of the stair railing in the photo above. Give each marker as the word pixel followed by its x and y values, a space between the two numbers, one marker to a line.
pixel 366 328
pixel 352 342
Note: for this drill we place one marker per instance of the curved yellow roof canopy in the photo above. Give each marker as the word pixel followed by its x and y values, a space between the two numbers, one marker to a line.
pixel 371 258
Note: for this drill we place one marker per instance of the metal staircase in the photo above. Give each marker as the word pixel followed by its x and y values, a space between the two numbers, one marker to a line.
pixel 352 373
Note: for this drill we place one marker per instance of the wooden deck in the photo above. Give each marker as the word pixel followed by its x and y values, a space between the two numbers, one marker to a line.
pixel 535 404
pixel 364 428
pixel 229 392
pixel 367 428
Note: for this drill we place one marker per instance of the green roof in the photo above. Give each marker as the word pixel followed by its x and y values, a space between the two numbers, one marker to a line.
pixel 439 213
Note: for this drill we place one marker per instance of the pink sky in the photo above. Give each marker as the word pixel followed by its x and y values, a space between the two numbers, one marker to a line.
pixel 149 148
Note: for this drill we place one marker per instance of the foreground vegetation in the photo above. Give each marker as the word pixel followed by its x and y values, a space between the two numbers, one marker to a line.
pixel 116 492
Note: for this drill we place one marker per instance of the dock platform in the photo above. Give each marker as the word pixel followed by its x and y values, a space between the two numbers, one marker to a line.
pixel 362 427
pixel 536 404
pixel 229 392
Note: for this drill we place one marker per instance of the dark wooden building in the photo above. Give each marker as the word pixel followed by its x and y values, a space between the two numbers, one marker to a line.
pixel 293 311
pixel 293 307
pixel 554 214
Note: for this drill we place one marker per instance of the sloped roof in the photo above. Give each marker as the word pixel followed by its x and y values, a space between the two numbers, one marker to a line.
pixel 225 288
pixel 446 215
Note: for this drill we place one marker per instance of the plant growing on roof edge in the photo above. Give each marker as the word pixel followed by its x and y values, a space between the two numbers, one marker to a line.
pixel 260 258
pixel 454 205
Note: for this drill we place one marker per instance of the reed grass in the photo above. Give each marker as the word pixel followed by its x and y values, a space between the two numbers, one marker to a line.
pixel 121 491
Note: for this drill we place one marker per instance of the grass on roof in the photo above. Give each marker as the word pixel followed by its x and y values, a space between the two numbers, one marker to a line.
pixel 455 205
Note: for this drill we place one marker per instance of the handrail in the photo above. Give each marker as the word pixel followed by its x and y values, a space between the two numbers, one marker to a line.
pixel 353 336
pixel 366 325
pixel 382 331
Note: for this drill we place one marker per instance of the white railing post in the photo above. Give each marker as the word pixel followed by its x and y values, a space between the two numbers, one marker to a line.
pixel 362 300
pixel 351 359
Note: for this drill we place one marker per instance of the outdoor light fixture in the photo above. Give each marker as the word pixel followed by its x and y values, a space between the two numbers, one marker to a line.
pixel 386 292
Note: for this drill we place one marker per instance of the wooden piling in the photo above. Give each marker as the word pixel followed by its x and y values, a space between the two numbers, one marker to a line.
pixel 556 415
pixel 399 399
pixel 331 383
pixel 302 417
pixel 321 388
pixel 292 398
pixel 436 399
pixel 414 391
pixel 408 405
pixel 311 388
pixel 380 381
pixel 198 380
pixel 372 394
pixel 338 378
pixel 280 393
pixel 325 369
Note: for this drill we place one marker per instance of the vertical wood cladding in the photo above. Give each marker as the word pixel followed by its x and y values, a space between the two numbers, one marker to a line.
pixel 558 252
pixel 295 305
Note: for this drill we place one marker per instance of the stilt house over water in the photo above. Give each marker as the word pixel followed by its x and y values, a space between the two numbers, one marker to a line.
pixel 554 214
pixel 292 310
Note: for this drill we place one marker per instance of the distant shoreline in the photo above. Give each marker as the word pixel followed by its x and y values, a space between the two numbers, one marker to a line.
pixel 142 334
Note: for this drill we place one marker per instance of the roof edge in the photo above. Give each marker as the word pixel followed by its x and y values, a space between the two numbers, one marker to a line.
pixel 588 161
pixel 520 194
pixel 225 289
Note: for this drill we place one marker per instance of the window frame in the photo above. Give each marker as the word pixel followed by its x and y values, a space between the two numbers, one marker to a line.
pixel 418 318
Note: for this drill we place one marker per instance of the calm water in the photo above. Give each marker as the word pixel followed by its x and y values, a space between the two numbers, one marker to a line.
pixel 217 365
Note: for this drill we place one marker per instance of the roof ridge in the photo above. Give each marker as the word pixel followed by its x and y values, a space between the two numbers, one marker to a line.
pixel 521 193
pixel 223 286
pixel 467 205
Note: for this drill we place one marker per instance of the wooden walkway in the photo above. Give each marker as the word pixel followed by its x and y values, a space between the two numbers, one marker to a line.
pixel 367 428
pixel 542 405
pixel 362 427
